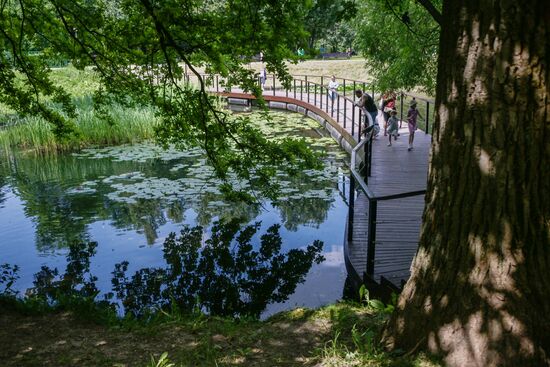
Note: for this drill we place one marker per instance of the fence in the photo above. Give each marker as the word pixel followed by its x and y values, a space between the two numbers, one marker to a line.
pixel 303 85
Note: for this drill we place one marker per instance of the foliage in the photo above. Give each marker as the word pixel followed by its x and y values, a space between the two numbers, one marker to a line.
pixel 163 361
pixel 35 134
pixel 364 297
pixel 340 37
pixel 327 18
pixel 142 51
pixel 400 41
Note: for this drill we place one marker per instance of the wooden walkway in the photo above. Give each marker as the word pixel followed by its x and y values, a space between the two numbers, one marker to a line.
pixel 395 170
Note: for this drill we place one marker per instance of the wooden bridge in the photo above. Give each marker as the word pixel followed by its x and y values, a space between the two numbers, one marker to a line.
pixel 386 200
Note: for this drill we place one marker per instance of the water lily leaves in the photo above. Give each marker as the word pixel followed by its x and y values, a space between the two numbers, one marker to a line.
pixel 191 178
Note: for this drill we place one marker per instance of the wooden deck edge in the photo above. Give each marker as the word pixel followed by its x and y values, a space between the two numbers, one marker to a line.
pixel 355 277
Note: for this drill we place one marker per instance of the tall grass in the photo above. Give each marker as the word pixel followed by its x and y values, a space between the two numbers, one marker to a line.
pixel 35 134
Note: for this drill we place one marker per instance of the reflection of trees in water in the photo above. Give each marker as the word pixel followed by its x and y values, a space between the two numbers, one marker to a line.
pixel 62 218
pixel 205 212
pixel 223 275
pixel 77 282
pixel 145 216
pixel 58 224
pixel 304 211
pixel 3 184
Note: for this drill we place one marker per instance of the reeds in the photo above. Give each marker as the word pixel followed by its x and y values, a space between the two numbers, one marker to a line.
pixel 35 134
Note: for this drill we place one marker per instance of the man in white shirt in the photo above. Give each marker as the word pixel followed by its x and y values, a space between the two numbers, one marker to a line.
pixel 332 87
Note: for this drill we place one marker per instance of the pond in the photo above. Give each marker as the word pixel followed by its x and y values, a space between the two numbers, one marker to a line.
pixel 129 199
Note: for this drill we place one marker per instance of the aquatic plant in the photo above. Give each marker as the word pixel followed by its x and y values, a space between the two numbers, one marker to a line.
pixel 125 125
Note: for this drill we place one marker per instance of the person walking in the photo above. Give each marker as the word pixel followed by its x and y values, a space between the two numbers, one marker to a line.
pixel 388 104
pixel 367 105
pixel 332 89
pixel 263 78
pixel 412 116
pixel 393 126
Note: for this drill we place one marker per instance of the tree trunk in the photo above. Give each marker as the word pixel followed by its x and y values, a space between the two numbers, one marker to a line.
pixel 479 292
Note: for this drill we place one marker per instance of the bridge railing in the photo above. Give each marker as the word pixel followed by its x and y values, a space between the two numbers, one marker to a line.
pixel 360 172
pixel 313 90
pixel 345 91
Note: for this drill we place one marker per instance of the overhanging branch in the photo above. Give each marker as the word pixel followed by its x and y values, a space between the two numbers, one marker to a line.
pixel 427 4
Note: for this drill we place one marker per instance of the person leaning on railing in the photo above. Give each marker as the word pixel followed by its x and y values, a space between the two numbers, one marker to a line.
pixel 367 105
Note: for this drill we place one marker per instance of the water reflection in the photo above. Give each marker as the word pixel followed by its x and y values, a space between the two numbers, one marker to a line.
pixel 223 275
pixel 65 194
pixel 128 197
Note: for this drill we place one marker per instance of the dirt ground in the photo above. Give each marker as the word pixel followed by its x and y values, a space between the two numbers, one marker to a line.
pixel 61 340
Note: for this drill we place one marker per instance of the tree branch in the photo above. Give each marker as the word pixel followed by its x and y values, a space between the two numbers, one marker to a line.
pixel 427 4
pixel 426 37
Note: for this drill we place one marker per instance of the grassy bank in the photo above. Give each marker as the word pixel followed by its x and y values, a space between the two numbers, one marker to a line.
pixel 336 335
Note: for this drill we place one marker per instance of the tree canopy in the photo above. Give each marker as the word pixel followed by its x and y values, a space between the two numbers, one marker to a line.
pixel 400 41
pixel 141 51
pixel 328 21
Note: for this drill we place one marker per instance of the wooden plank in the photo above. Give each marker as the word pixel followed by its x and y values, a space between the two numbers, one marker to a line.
pixel 394 170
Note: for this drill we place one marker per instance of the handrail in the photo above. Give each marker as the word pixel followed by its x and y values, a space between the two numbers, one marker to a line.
pixel 401 195
pixel 366 144
pixel 307 85
pixel 415 95
pixel 424 106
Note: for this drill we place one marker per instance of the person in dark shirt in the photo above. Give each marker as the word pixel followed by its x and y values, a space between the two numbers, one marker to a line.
pixel 367 105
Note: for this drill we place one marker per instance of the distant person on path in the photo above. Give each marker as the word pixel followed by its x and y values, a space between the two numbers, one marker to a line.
pixel 393 126
pixel 388 104
pixel 332 87
pixel 412 115
pixel 263 78
pixel 367 105
pixel 301 54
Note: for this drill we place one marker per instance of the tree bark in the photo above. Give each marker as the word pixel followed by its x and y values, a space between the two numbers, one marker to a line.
pixel 479 292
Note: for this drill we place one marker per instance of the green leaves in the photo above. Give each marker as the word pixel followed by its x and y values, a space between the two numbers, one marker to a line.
pixel 400 54
pixel 141 51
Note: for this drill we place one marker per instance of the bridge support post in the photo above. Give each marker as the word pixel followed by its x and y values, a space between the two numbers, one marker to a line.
pixel 371 236
pixel 351 206
pixel 427 117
